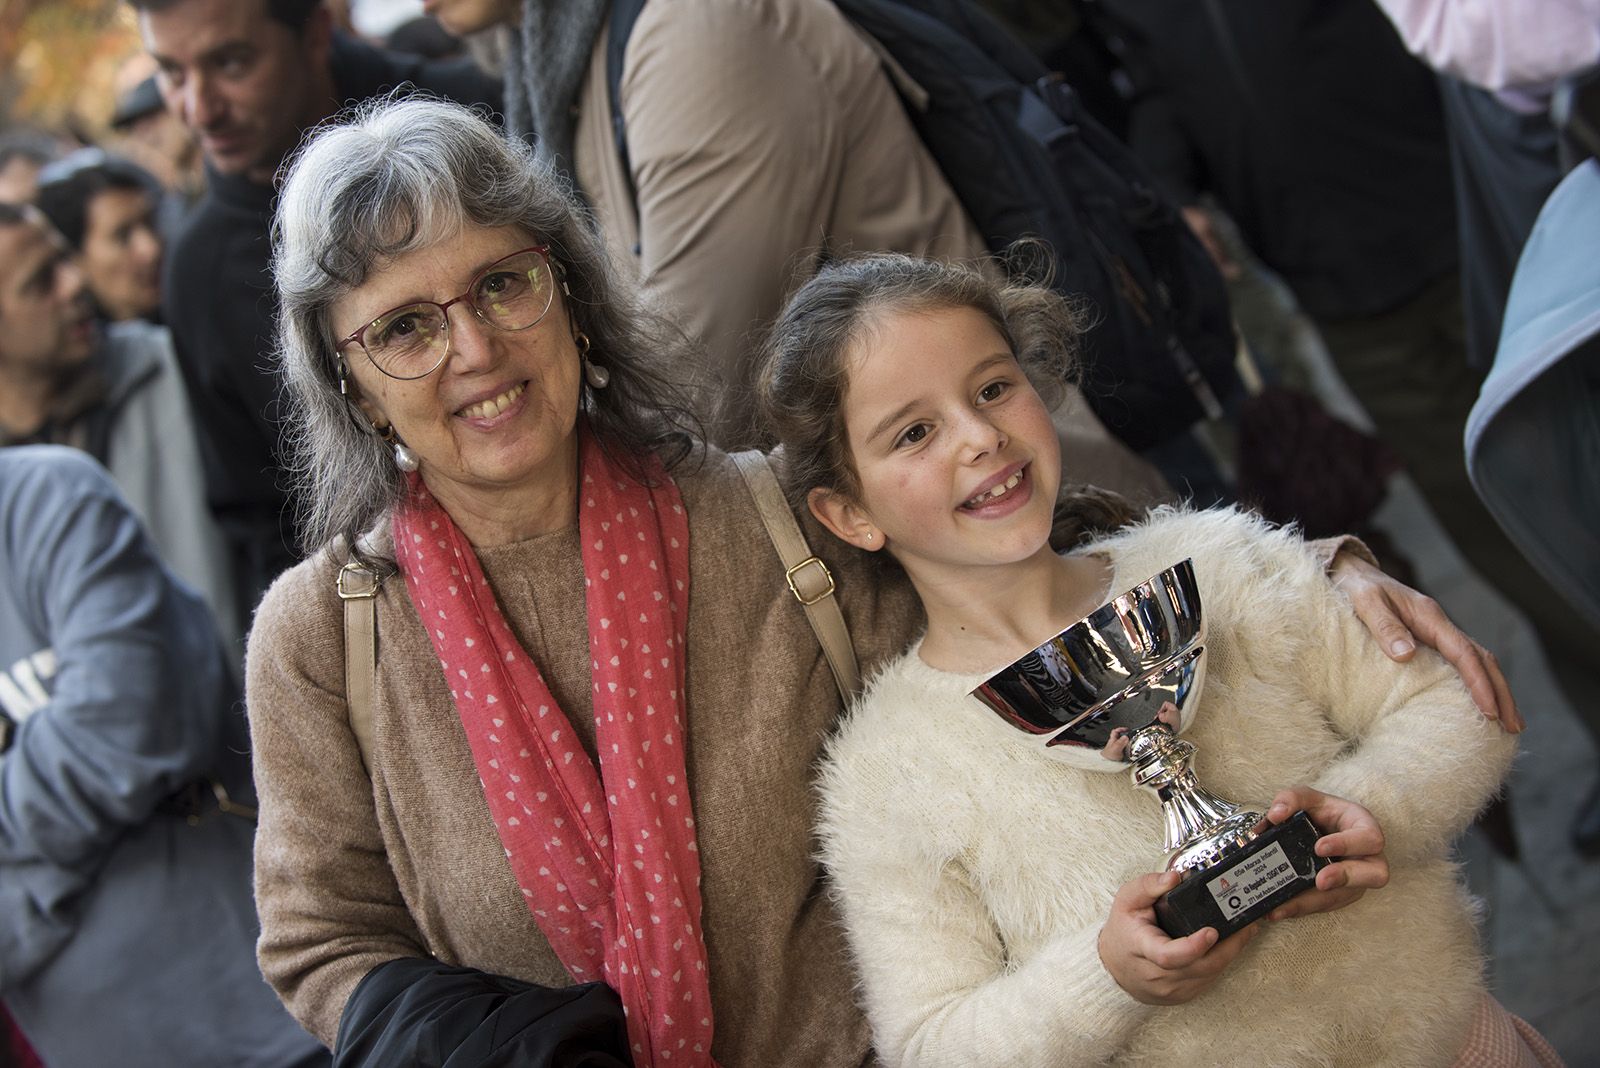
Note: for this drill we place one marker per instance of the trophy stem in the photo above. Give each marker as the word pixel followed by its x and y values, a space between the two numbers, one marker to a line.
pixel 1200 826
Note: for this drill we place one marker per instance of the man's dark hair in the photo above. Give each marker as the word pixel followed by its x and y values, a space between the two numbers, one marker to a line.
pixel 68 186
pixel 26 144
pixel 423 36
pixel 292 13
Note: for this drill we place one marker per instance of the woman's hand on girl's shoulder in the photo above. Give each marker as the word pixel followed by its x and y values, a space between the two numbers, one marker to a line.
pixel 1351 837
pixel 1153 968
pixel 1399 617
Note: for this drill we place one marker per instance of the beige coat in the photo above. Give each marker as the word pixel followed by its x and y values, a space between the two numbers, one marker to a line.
pixel 765 136
pixel 351 872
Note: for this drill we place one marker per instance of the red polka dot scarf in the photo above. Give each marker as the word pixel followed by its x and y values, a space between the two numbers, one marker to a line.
pixel 607 863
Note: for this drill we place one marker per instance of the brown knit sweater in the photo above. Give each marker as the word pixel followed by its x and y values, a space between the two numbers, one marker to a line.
pixel 352 871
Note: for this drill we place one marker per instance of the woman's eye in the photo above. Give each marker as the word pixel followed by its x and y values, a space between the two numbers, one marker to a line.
pixel 499 283
pixel 993 391
pixel 399 328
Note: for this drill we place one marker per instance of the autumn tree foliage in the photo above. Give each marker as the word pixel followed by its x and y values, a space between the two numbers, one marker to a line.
pixel 58 59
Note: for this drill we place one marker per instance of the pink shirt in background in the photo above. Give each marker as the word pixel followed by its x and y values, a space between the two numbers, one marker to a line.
pixel 1500 44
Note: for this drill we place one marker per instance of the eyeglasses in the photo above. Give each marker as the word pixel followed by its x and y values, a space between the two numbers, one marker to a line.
pixel 413 340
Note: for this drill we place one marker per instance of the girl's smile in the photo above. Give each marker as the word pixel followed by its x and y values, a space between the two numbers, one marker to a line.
pixel 1002 494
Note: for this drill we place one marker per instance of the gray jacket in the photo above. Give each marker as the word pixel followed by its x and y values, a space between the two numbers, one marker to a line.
pixel 128 408
pixel 129 929
pixel 153 452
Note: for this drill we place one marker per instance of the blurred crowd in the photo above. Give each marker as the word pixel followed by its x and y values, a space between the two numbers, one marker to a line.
pixel 1384 161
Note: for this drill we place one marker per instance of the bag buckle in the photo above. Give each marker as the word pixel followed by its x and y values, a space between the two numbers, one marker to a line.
pixel 357 582
pixel 819 580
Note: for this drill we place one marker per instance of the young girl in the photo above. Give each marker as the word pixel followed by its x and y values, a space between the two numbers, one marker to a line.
pixel 998 900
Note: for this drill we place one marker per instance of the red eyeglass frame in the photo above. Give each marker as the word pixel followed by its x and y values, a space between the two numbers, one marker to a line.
pixel 445 306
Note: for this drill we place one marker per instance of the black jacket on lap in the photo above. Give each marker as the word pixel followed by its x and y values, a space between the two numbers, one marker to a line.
pixel 425 1014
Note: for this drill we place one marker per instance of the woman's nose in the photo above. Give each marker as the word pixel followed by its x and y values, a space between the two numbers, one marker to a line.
pixel 472 341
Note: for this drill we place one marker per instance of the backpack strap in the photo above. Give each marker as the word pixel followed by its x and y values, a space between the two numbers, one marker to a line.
pixel 809 578
pixel 358 589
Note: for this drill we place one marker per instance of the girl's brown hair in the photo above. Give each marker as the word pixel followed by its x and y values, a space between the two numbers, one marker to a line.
pixel 805 372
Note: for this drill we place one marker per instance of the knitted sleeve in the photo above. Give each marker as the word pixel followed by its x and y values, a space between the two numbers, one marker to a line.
pixel 1419 755
pixel 938 984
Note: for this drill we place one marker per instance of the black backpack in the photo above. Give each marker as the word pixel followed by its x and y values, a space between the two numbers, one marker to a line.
pixel 1025 160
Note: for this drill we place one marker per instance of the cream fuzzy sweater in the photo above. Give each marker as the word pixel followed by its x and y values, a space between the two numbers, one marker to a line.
pixel 974 872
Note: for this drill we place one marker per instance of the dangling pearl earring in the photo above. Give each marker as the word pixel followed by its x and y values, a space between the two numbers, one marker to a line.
pixel 596 375
pixel 404 458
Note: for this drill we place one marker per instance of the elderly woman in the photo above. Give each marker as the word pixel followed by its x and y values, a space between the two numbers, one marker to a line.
pixel 596 703
pixel 471 386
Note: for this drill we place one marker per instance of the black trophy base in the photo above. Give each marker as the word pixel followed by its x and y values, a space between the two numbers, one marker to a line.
pixel 1246 885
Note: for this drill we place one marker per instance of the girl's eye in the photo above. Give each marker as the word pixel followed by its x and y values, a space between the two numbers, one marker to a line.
pixel 993 391
pixel 913 434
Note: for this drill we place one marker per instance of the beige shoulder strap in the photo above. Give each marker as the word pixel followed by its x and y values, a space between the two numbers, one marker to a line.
pixel 358 589
pixel 809 578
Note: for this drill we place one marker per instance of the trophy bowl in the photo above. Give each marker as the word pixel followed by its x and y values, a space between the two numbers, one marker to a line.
pixel 1119 682
pixel 1112 672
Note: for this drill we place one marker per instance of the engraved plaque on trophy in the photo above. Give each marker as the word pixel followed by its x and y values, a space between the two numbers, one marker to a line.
pixel 1117 682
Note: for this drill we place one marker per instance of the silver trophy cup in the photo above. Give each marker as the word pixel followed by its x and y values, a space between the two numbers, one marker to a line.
pixel 1117 682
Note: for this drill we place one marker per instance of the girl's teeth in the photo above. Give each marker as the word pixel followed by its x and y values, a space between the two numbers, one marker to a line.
pixel 999 491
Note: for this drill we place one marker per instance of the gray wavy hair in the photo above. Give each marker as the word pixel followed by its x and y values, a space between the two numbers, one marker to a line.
pixel 398 175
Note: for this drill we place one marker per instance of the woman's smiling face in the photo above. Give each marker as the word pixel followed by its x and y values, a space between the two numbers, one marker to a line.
pixel 500 414
pixel 957 460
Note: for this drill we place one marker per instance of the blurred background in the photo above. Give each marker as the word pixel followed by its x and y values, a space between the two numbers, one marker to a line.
pixel 64 63
pixel 60 61
pixel 73 74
